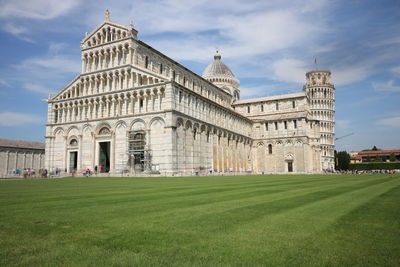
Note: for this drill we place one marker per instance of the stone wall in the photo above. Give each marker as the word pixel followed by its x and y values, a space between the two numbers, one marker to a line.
pixel 20 158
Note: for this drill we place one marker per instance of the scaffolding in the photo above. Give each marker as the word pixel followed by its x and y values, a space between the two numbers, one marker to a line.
pixel 139 153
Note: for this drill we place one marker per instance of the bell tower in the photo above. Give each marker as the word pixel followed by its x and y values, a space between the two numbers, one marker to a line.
pixel 321 94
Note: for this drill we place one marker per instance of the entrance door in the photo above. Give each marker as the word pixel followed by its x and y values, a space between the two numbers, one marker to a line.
pixel 73 161
pixel 104 157
pixel 290 166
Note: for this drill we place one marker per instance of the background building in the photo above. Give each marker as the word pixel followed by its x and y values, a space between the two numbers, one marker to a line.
pixel 16 154
pixel 375 155
pixel 133 109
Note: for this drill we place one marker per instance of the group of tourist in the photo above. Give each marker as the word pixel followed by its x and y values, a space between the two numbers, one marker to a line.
pixel 361 171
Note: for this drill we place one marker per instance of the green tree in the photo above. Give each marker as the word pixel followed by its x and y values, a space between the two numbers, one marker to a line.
pixel 392 157
pixel 375 148
pixel 343 160
pixel 378 159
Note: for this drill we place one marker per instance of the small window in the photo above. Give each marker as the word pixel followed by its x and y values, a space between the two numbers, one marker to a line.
pixel 141 103
pixel 161 69
pixel 276 125
pixel 146 62
pixel 173 75
pixel 248 109
pixel 269 149
pixel 277 106
pixel 180 96
pixel 295 124
pixel 262 108
pixel 293 104
pixel 285 123
pixel 266 126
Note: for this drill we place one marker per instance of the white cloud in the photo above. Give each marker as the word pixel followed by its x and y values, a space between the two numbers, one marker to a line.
pixel 4 82
pixel 387 86
pixel 290 70
pixel 16 119
pixel 37 9
pixel 44 74
pixel 391 122
pixel 17 31
pixel 396 70
pixel 350 74
pixel 59 63
pixel 240 28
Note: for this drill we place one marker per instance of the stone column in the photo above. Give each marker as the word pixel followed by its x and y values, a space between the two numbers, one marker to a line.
pixel 32 160
pixel 16 160
pixel 7 161
pixel 83 65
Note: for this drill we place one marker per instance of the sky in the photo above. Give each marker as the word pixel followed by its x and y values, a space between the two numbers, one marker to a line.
pixel 269 46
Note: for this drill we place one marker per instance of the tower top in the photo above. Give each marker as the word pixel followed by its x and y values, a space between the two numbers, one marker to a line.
pixel 107 15
pixel 217 55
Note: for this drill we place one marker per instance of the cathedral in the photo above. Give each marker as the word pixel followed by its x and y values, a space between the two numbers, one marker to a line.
pixel 134 111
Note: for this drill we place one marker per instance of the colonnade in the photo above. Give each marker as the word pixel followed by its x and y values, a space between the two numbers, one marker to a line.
pixel 322 104
pixel 16 159
pixel 322 93
pixel 202 147
pixel 105 35
pixel 323 115
pixel 107 58
pixel 127 103
pixel 198 108
pixel 108 82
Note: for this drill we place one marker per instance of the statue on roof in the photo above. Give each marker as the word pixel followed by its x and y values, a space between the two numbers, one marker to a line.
pixel 107 14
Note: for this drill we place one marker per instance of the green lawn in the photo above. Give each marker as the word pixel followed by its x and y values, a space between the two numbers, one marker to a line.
pixel 274 220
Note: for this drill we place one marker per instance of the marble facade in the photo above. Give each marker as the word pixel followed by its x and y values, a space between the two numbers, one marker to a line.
pixel 134 110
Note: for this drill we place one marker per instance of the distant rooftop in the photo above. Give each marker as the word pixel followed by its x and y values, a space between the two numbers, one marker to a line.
pixel 270 98
pixel 21 144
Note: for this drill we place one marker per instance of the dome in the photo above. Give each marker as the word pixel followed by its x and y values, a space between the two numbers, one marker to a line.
pixel 218 72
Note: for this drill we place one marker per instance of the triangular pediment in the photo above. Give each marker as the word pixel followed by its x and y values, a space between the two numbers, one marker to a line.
pixel 108 31
pixel 66 92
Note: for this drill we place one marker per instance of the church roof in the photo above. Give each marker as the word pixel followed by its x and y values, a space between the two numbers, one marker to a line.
pixel 218 69
pixel 21 144
pixel 270 98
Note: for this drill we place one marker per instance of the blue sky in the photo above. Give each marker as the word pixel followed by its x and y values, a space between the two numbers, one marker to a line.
pixel 269 46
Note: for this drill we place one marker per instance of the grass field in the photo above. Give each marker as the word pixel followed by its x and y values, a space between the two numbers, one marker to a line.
pixel 274 220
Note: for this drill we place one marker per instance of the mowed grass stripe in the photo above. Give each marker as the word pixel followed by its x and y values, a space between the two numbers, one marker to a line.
pixel 175 201
pixel 255 220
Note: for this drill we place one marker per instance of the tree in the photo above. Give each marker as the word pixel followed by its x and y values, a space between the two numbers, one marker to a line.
pixel 375 148
pixel 343 160
pixel 378 159
pixel 392 157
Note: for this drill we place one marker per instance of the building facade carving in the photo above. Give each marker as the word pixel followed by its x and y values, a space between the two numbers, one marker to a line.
pixel 134 110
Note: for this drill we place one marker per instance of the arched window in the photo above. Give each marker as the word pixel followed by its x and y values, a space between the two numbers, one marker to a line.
pixel 73 142
pixel 269 149
pixel 104 131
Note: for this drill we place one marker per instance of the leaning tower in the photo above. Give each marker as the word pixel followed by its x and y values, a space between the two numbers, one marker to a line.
pixel 321 94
